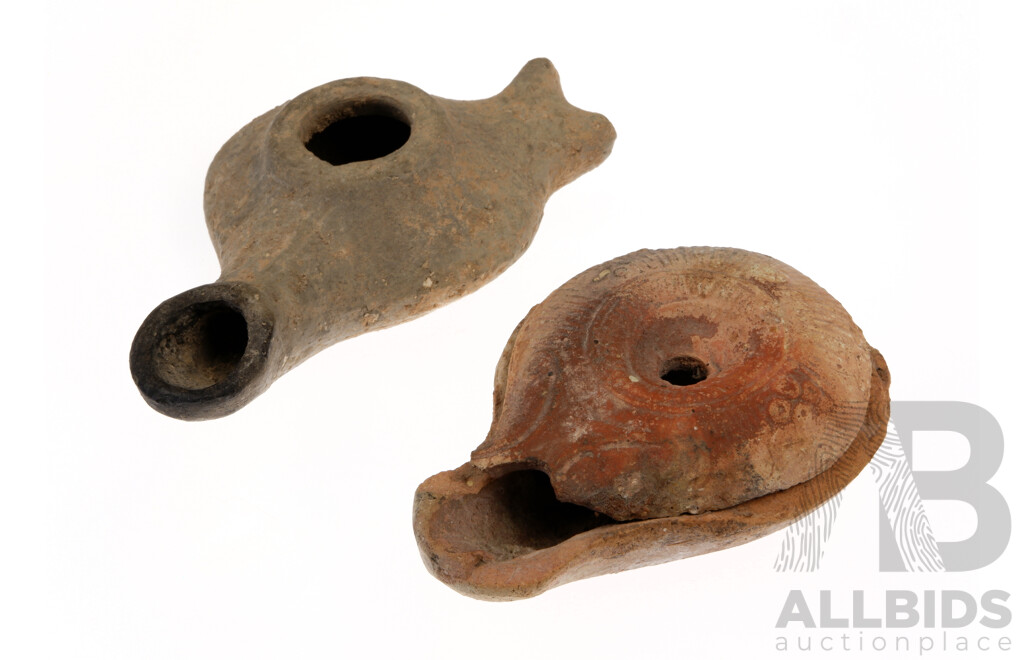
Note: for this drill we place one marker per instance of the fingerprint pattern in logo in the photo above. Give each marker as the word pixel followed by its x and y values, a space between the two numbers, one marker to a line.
pixel 903 506
pixel 803 545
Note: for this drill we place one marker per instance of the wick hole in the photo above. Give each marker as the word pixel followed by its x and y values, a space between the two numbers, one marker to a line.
pixel 202 346
pixel 517 514
pixel 367 132
pixel 684 370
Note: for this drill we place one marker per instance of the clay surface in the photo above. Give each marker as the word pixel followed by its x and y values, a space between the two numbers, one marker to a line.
pixel 357 205
pixel 661 405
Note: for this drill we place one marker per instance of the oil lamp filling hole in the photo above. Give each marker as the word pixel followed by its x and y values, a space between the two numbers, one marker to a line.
pixel 367 132
pixel 684 370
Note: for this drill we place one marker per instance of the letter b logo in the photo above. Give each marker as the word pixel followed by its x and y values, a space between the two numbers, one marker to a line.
pixel 906 542
pixel 968 484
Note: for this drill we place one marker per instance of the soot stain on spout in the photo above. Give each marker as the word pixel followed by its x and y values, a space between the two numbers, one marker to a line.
pixel 201 346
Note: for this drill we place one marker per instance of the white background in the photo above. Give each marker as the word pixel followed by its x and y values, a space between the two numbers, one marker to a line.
pixel 875 146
